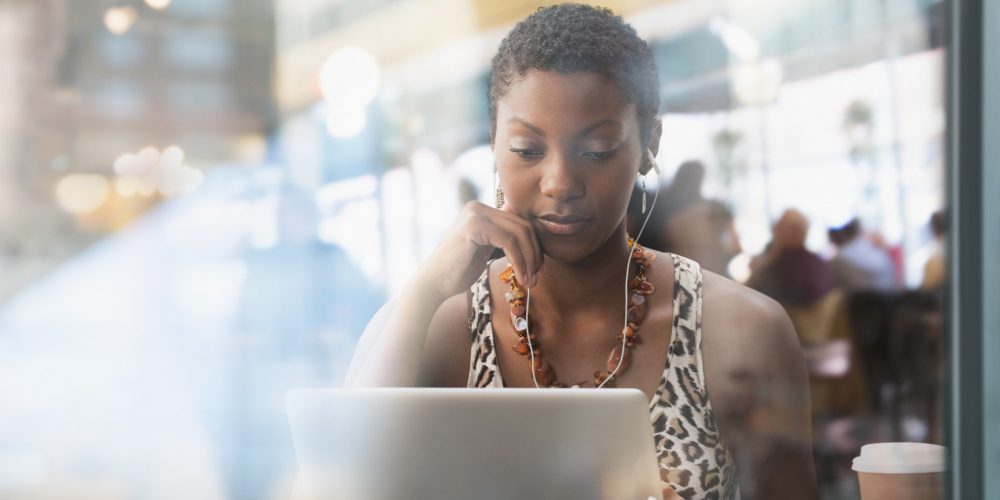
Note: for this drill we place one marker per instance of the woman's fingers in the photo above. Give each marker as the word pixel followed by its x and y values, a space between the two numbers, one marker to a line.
pixel 539 256
pixel 521 249
pixel 531 244
pixel 484 227
pixel 528 246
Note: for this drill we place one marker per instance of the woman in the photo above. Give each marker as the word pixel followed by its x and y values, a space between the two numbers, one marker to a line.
pixel 573 100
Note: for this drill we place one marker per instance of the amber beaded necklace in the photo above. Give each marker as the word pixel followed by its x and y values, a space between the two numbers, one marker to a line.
pixel 618 361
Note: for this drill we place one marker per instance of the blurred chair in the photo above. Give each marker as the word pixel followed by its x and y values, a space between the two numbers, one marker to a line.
pixel 870 313
pixel 840 406
pixel 836 379
pixel 899 337
pixel 916 356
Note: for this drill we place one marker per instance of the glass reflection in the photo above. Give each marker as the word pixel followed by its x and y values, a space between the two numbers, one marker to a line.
pixel 202 203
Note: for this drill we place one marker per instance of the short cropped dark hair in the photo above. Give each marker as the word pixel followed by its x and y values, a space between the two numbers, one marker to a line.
pixel 569 38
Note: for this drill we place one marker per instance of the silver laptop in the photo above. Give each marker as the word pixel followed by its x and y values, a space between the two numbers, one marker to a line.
pixel 366 444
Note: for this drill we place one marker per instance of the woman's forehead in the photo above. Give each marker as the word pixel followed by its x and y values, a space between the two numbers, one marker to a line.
pixel 549 99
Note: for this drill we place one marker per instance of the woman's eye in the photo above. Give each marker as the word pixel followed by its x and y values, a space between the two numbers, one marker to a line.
pixel 527 154
pixel 599 155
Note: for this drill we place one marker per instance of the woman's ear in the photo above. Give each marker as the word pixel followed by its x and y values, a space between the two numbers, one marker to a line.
pixel 654 137
pixel 652 148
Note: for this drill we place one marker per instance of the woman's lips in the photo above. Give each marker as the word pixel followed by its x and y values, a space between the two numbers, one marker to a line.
pixel 563 226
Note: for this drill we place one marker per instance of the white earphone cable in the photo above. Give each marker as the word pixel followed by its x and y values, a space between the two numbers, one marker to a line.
pixel 628 263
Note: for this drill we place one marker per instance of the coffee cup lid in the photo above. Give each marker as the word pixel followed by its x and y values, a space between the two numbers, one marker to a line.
pixel 900 458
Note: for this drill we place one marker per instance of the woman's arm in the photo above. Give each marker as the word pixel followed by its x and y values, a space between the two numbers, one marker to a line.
pixel 781 444
pixel 390 351
pixel 759 389
pixel 368 337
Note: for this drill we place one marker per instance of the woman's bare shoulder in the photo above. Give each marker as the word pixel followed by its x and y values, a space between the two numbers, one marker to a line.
pixel 722 295
pixel 738 321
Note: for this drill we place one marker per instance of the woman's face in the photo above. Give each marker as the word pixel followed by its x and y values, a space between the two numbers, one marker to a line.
pixel 568 150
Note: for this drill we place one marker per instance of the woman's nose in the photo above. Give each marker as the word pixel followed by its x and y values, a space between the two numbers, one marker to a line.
pixel 561 179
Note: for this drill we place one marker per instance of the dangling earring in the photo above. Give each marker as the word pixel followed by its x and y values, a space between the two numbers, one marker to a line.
pixel 497 190
pixel 643 193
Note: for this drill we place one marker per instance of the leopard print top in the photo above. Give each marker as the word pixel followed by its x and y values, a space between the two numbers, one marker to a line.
pixel 694 460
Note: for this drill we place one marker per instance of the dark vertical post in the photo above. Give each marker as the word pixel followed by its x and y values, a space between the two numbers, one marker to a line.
pixel 991 248
pixel 964 414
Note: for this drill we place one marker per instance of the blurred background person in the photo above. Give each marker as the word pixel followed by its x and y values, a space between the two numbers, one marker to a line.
pixel 682 191
pixel 859 263
pixel 935 267
pixel 685 188
pixel 686 223
pixel 704 231
pixel 787 271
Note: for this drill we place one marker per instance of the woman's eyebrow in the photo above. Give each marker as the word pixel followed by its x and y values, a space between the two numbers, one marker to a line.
pixel 590 128
pixel 527 125
pixel 586 130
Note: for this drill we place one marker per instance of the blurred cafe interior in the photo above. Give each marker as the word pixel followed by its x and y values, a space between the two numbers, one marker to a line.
pixel 203 202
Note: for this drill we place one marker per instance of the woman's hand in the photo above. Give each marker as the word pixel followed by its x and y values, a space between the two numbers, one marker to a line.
pixel 390 350
pixel 462 255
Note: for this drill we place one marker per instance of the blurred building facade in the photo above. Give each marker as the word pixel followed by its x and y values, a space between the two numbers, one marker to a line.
pixel 90 81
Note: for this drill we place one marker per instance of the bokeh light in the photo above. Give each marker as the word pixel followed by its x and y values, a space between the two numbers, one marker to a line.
pixel 82 193
pixel 150 170
pixel 349 77
pixel 758 83
pixel 158 4
pixel 348 81
pixel 344 122
pixel 737 39
pixel 119 20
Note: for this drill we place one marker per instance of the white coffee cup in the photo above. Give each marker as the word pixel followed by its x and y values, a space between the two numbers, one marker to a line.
pixel 889 471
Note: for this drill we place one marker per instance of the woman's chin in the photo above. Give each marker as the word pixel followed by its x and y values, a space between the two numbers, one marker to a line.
pixel 566 249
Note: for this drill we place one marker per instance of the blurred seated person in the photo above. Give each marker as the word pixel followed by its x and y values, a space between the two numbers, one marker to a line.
pixel 692 226
pixel 705 233
pixel 787 271
pixel 934 269
pixel 683 190
pixel 860 264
